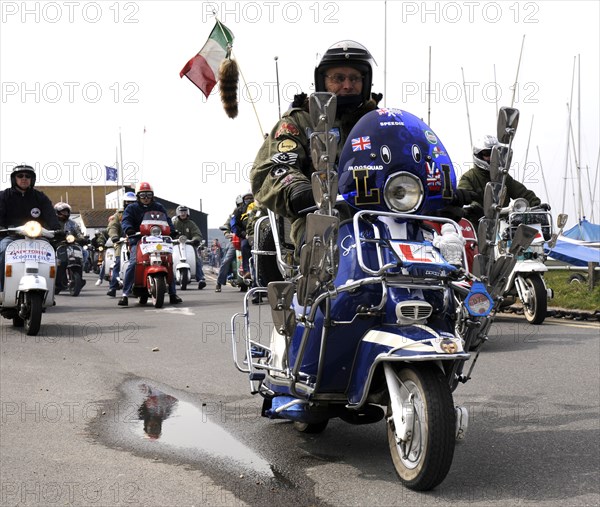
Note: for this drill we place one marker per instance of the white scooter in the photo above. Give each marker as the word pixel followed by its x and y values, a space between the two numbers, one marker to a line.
pixel 184 261
pixel 109 259
pixel 526 281
pixel 30 273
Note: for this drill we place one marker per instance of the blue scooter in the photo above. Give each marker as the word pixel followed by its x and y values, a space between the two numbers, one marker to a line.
pixel 374 322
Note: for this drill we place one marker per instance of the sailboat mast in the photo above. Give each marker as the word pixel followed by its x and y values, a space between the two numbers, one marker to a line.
pixel 517 76
pixel 385 54
pixel 429 92
pixel 467 104
pixel 543 176
pixel 578 160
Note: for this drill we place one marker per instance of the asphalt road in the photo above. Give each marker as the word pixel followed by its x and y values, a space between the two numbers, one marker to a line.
pixel 81 407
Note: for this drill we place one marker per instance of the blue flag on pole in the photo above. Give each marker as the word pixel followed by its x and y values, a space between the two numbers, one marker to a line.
pixel 111 173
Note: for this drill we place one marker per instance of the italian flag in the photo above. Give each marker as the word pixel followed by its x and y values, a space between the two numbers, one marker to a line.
pixel 203 69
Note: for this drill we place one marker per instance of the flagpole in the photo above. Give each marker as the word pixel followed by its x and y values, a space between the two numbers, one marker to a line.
pixel 278 94
pixel 143 152
pixel 118 170
pixel 230 50
pixel 121 157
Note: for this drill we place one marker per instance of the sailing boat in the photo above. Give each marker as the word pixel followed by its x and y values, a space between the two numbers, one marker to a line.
pixel 579 245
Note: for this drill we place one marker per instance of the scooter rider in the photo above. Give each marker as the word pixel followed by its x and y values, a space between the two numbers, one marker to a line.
pixel 21 203
pixel 476 178
pixel 132 219
pixel 229 255
pixel 280 175
pixel 68 226
pixel 185 226
pixel 115 232
pixel 238 227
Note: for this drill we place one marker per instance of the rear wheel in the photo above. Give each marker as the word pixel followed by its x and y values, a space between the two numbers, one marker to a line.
pixel 535 310
pixel 422 457
pixel 266 265
pixel 158 290
pixel 311 428
pixel 34 313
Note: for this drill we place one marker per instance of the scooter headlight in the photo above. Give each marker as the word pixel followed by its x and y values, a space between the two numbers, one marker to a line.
pixel 70 238
pixel 403 192
pixel 32 229
pixel 155 231
pixel 520 205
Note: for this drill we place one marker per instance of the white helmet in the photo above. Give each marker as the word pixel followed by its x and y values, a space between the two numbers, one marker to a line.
pixel 181 210
pixel 483 146
pixel 62 206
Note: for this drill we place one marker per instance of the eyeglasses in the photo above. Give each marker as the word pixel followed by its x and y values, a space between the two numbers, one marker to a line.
pixel 146 195
pixel 23 175
pixel 340 78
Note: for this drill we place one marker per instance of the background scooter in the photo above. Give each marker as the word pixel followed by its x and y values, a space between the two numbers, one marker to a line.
pixel 184 261
pixel 70 254
pixel 30 272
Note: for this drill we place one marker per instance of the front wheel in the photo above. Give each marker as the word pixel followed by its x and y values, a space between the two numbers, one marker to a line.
pixel 75 284
pixel 33 320
pixel 535 310
pixel 184 278
pixel 422 457
pixel 158 290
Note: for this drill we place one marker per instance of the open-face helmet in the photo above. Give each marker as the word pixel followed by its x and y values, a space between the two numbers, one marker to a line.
pixel 483 146
pixel 248 197
pixel 346 53
pixel 182 210
pixel 128 198
pixel 22 169
pixel 62 207
pixel 143 189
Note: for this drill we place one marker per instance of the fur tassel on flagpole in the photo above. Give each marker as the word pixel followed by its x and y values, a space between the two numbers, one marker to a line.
pixel 228 83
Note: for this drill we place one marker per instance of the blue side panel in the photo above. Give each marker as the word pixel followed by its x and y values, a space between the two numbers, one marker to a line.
pixel 368 352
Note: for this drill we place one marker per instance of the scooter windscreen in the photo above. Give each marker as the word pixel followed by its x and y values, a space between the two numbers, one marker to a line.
pixel 392 161
pixel 154 223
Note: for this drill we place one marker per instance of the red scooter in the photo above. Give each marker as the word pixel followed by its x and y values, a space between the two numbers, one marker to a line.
pixel 154 259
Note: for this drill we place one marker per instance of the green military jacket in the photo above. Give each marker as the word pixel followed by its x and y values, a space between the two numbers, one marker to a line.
pixel 115 229
pixel 187 228
pixel 475 179
pixel 283 164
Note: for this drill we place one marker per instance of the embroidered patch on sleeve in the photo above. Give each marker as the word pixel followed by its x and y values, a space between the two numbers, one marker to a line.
pixel 287 145
pixel 285 158
pixel 287 180
pixel 279 170
pixel 287 128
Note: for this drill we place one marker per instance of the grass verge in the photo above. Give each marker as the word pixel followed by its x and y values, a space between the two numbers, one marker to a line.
pixel 572 295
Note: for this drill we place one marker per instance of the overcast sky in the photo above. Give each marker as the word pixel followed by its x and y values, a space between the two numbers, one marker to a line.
pixel 75 75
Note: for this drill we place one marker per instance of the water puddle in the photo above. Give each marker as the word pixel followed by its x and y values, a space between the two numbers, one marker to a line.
pixel 172 422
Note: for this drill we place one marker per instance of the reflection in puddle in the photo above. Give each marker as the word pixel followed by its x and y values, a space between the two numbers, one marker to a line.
pixel 156 407
pixel 172 422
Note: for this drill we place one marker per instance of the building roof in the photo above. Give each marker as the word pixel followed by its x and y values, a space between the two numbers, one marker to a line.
pixel 96 218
